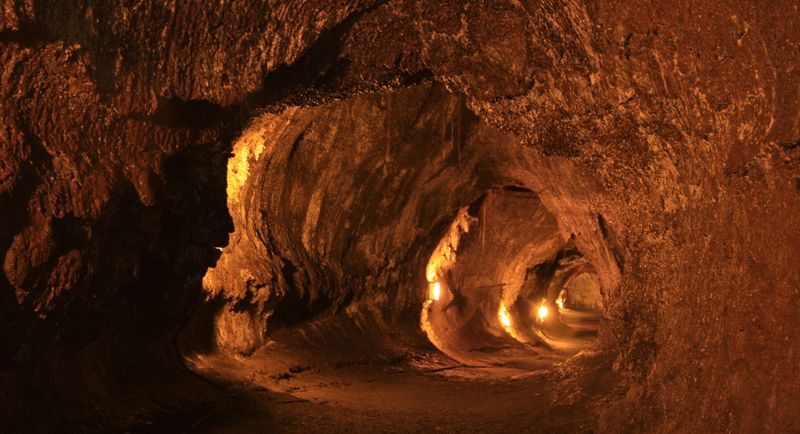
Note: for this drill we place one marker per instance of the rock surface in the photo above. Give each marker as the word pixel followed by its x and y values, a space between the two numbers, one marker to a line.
pixel 662 136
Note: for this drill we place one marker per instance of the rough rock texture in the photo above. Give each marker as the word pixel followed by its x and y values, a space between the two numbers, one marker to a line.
pixel 663 136
pixel 340 201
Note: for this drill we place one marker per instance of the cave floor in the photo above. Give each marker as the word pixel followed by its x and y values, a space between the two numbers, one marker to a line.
pixel 420 394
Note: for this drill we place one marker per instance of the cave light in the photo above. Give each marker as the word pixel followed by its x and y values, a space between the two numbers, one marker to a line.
pixel 436 291
pixel 505 319
pixel 560 300
pixel 542 312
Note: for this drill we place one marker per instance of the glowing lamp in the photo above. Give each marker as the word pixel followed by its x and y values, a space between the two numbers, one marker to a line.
pixel 542 312
pixel 436 291
pixel 504 318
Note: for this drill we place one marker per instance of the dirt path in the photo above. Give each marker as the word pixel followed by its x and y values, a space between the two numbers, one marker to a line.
pixel 370 396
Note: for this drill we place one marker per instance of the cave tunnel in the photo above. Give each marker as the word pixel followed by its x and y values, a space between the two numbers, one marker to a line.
pixel 399 216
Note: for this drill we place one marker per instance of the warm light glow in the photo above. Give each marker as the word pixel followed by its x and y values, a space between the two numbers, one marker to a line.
pixel 542 312
pixel 250 147
pixel 560 299
pixel 436 291
pixel 503 314
pixel 444 256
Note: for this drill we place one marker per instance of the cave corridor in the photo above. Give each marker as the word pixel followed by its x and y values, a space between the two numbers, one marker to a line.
pixel 400 216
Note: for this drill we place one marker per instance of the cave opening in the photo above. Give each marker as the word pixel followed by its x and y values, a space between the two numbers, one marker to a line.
pixel 414 270
pixel 507 290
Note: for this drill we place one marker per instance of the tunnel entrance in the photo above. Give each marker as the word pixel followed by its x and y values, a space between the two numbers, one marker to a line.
pixel 506 289
pixel 450 216
pixel 316 299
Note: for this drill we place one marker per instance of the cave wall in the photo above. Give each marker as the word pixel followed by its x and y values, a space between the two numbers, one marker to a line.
pixel 686 114
pixel 113 153
pixel 676 124
pixel 333 207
